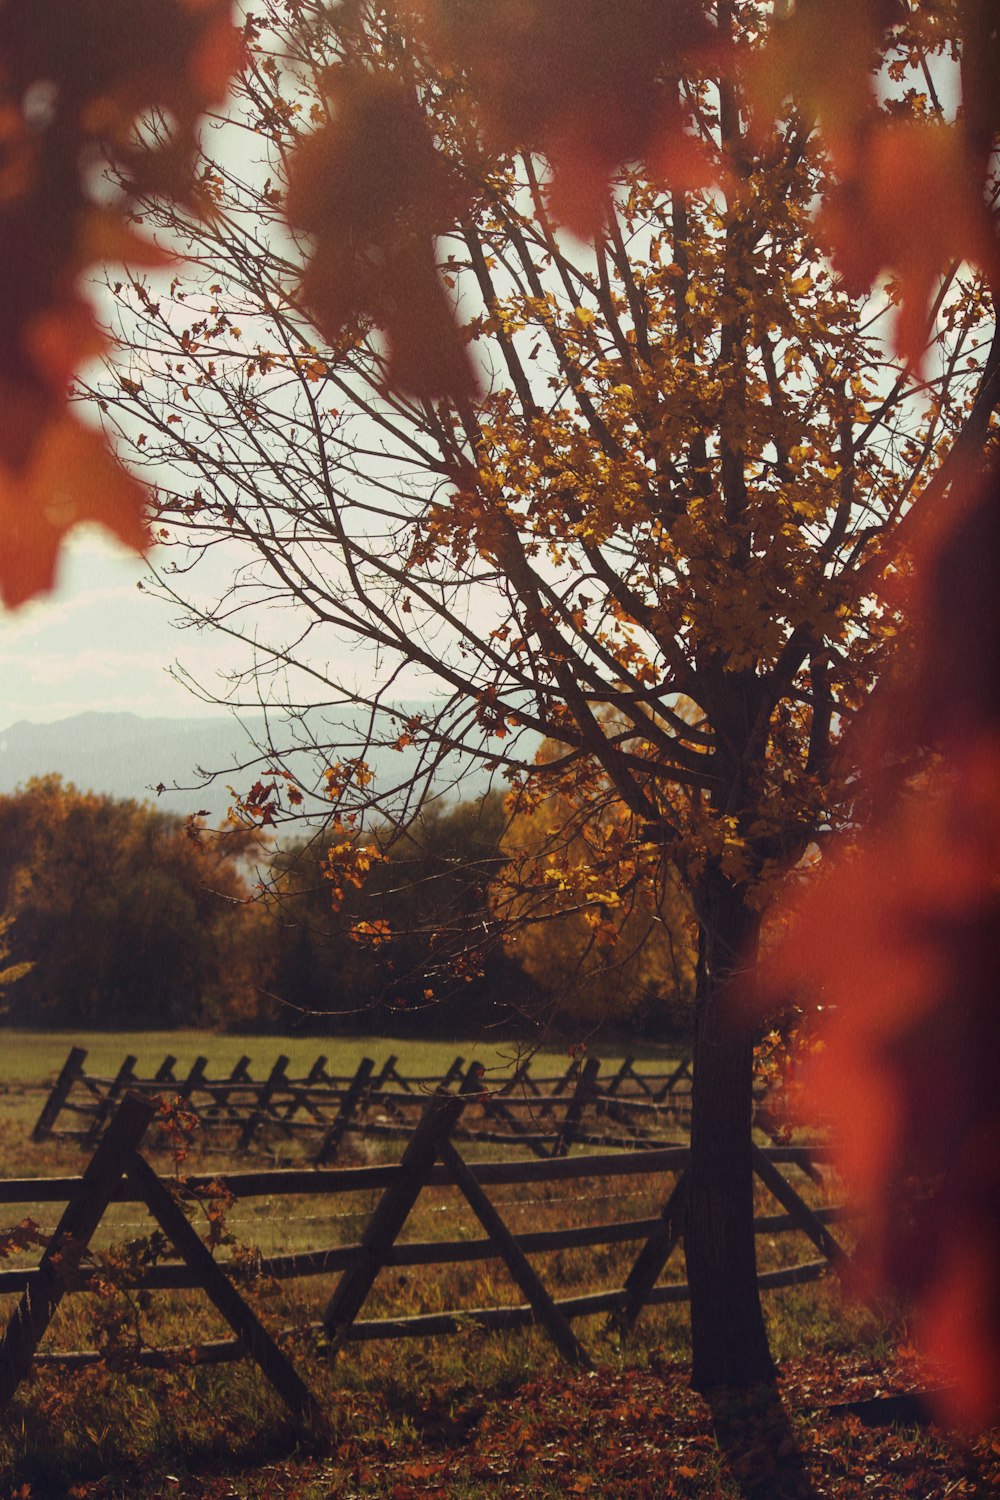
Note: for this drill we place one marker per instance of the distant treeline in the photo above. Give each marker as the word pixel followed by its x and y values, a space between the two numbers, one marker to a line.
pixel 134 918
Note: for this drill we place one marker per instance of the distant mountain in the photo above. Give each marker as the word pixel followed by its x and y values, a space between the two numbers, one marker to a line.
pixel 124 755
pixel 128 756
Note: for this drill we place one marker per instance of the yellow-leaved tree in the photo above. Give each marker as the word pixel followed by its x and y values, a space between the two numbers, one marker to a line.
pixel 610 939
pixel 638 501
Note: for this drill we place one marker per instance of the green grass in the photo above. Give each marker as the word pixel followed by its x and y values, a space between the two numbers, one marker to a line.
pixel 488 1414
pixel 34 1057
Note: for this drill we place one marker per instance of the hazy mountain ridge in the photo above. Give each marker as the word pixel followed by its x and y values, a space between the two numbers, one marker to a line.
pixel 126 755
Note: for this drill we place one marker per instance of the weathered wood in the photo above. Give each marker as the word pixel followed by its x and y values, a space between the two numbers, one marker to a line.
pixel 517 1262
pixel 561 1086
pixel 651 1259
pixel 430 1325
pixel 472 1083
pixel 392 1073
pixel 520 1079
pixel 625 1071
pixel 583 1094
pixel 309 1181
pixel 799 1209
pixel 121 1081
pixel 193 1079
pixel 453 1072
pixel 72 1235
pixel 317 1073
pixel 682 1070
pixel 522 1134
pixel 71 1070
pixel 391 1212
pixel 348 1109
pixel 422 1325
pixel 241 1318
pixel 165 1072
pixel 221 1097
pixel 175 1276
pixel 275 1080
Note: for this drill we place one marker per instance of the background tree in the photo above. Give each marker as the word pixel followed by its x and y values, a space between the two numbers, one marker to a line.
pixel 404 950
pixel 133 918
pixel 606 949
pixel 689 454
pixel 12 972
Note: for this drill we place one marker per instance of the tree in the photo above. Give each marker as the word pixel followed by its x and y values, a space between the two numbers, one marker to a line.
pixel 404 949
pixel 136 918
pixel 12 972
pixel 690 452
pixel 679 484
pixel 604 948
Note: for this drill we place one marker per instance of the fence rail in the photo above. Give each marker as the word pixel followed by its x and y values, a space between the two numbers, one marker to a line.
pixel 118 1172
pixel 544 1115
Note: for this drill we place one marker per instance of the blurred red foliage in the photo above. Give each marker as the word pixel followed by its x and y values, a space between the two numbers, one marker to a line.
pixel 898 939
pixel 74 82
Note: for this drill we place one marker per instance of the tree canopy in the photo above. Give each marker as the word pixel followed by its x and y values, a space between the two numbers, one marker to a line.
pixel 603 440
pixel 639 500
pixel 127 917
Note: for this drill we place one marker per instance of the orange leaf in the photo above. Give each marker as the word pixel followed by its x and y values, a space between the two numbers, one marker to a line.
pixel 71 478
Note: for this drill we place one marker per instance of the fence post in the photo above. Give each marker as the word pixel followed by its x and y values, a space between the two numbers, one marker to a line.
pixel 472 1083
pixel 275 1079
pixel 71 1070
pixel 118 1085
pixel 616 1082
pixel 494 1108
pixel 454 1071
pixel 241 1318
pixel 799 1210
pixel 651 1259
pixel 192 1081
pixel 346 1112
pixel 317 1073
pixel 586 1088
pixel 682 1070
pixel 562 1084
pixel 518 1264
pixel 520 1079
pixel 165 1072
pixel 435 1125
pixel 386 1071
pixel 390 1071
pixel 220 1097
pixel 73 1233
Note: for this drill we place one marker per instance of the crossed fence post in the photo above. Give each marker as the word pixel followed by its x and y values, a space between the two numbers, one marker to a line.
pixel 117 1155
pixel 71 1070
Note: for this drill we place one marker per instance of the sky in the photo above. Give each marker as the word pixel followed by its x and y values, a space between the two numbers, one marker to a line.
pixel 99 643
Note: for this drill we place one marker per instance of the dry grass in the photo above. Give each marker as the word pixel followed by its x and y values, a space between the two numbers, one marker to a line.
pixel 389 1403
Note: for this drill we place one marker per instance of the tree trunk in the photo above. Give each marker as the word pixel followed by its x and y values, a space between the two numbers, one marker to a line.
pixel 729 1341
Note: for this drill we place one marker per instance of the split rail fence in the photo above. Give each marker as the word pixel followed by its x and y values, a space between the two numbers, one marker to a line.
pixel 543 1115
pixel 119 1172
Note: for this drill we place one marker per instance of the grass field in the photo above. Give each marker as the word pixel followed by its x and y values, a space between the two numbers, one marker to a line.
pixel 29 1058
pixel 464 1416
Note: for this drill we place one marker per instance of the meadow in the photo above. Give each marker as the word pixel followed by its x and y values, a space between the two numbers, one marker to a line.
pixel 472 1414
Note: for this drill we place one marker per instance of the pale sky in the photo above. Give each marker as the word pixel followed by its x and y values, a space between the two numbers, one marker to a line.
pixel 99 643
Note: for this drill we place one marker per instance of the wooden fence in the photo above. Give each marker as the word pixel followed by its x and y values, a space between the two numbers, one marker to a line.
pixel 118 1172
pixel 543 1115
